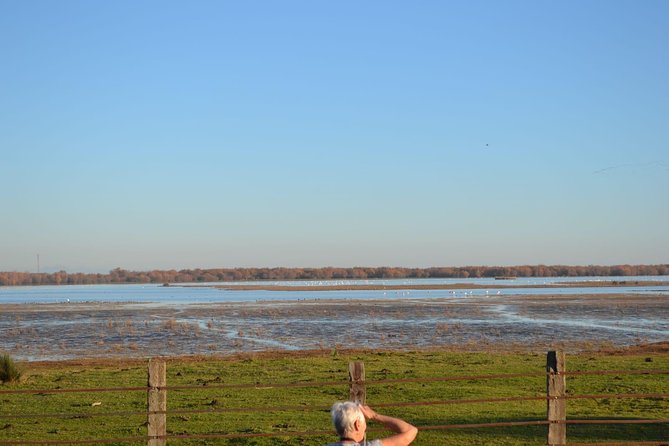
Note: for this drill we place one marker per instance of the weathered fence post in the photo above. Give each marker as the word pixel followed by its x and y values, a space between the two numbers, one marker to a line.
pixel 556 390
pixel 157 403
pixel 356 378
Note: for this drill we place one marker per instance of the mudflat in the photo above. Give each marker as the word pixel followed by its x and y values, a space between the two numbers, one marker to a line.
pixel 501 323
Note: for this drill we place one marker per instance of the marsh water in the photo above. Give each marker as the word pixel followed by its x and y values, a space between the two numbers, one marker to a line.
pixel 66 322
pixel 184 294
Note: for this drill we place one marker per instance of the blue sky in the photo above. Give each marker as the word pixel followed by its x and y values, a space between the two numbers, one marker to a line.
pixel 164 134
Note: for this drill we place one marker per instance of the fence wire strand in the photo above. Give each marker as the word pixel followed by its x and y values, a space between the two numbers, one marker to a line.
pixel 261 386
pixel 89 390
pixel 143 438
pixel 304 408
pixel 634 443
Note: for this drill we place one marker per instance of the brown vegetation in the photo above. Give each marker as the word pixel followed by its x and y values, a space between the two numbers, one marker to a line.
pixel 119 275
pixel 440 286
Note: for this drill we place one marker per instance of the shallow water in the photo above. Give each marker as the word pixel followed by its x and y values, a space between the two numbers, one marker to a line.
pixel 75 330
pixel 65 322
pixel 189 294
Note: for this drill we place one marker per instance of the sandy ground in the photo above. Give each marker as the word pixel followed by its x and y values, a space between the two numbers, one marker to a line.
pixel 501 323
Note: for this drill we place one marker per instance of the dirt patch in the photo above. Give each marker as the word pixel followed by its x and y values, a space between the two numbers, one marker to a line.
pixel 655 347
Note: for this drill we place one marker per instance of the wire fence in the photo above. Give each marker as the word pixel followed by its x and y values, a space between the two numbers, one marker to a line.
pixel 156 413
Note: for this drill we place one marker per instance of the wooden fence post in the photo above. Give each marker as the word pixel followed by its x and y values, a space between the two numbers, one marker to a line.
pixel 356 378
pixel 157 403
pixel 556 390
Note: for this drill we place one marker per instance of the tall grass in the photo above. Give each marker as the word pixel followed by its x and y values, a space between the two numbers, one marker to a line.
pixel 9 370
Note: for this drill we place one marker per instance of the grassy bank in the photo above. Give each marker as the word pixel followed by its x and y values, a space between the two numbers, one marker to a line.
pixel 305 409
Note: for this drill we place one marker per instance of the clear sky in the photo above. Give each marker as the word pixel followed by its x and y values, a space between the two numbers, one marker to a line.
pixel 164 134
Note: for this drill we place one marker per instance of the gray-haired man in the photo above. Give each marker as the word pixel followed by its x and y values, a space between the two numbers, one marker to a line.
pixel 350 422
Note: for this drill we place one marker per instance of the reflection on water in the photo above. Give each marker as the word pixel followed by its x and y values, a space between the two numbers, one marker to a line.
pixel 646 327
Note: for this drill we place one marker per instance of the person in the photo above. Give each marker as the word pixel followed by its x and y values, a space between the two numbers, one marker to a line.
pixel 350 423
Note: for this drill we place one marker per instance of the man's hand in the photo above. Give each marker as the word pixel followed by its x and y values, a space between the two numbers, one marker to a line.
pixel 368 412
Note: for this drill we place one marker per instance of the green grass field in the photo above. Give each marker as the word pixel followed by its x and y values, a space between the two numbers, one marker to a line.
pixel 268 407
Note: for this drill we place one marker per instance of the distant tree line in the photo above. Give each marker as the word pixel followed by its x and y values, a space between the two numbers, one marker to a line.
pixel 119 275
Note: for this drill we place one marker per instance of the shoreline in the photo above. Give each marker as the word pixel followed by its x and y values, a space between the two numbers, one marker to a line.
pixel 661 348
pixel 446 286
